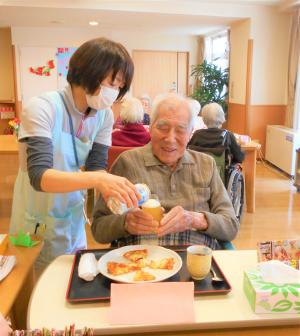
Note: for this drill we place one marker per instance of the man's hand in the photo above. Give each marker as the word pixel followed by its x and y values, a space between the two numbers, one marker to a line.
pixel 139 223
pixel 179 220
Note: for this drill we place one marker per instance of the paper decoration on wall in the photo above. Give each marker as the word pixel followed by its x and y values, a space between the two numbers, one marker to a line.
pixel 43 70
pixel 63 57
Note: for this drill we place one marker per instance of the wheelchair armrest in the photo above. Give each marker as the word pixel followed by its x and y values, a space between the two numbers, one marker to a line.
pixel 226 245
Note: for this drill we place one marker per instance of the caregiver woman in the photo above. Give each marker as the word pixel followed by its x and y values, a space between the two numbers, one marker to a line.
pixel 61 132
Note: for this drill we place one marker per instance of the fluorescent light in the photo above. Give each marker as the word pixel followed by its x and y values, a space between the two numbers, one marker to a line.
pixel 93 23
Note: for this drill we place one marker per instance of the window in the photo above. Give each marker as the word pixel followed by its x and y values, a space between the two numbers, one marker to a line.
pixel 217 49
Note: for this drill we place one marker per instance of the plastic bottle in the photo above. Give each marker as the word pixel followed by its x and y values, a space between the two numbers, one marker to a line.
pixel 118 208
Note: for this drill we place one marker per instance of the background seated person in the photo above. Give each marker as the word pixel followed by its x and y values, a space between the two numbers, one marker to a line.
pixel 132 133
pixel 147 104
pixel 198 209
pixel 215 137
pixel 196 108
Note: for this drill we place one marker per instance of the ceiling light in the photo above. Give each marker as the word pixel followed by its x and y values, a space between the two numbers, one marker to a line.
pixel 93 23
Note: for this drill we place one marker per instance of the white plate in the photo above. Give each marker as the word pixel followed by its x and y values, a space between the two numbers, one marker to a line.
pixel 155 253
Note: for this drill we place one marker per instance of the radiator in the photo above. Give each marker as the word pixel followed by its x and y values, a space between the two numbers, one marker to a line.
pixel 281 146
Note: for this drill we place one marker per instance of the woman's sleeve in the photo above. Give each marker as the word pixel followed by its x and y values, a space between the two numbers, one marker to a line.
pixel 39 159
pixel 37 122
pixel 103 136
pixel 37 119
pixel 97 158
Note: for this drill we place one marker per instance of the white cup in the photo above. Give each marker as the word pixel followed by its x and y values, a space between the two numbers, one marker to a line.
pixel 198 261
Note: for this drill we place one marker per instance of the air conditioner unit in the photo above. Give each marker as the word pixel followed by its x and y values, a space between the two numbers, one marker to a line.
pixel 281 145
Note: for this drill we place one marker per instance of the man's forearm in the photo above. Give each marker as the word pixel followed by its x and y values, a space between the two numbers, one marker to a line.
pixel 221 227
pixel 108 228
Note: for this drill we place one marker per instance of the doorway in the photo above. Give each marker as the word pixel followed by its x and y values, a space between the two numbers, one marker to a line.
pixel 157 72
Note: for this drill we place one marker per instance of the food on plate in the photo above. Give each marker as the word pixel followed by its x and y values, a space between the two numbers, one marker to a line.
pixel 116 268
pixel 143 276
pixel 137 261
pixel 136 255
pixel 166 263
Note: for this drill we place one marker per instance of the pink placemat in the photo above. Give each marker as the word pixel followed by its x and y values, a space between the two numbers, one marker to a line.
pixel 152 303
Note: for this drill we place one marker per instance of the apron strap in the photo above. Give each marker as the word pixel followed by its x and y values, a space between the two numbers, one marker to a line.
pixel 71 130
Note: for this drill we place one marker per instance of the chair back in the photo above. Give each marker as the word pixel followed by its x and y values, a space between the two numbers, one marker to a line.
pixel 220 163
pixel 113 153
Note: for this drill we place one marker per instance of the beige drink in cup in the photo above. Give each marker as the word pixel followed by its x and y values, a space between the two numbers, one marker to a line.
pixel 198 261
pixel 153 208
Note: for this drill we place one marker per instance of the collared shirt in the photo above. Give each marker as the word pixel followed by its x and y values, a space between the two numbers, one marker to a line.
pixel 195 185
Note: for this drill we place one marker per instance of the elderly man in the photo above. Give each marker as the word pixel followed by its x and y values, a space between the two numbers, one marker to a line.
pixel 197 207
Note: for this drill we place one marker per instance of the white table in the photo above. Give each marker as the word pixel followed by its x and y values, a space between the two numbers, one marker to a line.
pixel 48 307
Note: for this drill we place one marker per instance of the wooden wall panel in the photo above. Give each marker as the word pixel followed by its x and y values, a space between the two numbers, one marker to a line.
pixel 258 117
pixel 8 172
pixel 236 119
pixel 262 115
pixel 6 67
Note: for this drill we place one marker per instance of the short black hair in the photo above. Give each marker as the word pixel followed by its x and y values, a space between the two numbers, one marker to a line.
pixel 96 59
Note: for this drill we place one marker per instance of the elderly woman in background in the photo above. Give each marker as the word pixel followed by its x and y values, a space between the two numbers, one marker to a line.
pixel 215 137
pixel 196 108
pixel 132 133
pixel 147 104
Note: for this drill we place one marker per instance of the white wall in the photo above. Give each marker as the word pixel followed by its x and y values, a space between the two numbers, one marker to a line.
pixel 64 37
pixel 270 33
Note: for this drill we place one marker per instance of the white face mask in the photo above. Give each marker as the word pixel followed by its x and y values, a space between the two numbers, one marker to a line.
pixel 104 99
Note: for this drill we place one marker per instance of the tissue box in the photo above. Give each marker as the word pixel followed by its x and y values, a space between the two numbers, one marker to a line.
pixel 3 243
pixel 266 297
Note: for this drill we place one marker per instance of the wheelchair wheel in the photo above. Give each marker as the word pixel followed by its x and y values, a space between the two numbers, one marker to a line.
pixel 236 190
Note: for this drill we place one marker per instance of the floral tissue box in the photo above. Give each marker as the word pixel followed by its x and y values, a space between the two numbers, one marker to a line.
pixel 267 297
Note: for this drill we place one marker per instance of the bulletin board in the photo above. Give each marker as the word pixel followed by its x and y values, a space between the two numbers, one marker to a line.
pixel 42 69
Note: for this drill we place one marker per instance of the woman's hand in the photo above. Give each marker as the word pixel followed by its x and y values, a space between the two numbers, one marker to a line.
pixel 116 186
pixel 138 222
pixel 179 220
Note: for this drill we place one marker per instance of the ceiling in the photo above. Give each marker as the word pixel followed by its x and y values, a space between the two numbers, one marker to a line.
pixel 78 13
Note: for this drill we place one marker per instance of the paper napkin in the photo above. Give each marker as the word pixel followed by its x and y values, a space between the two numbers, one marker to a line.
pixel 6 265
pixel 152 303
pixel 87 268
pixel 278 273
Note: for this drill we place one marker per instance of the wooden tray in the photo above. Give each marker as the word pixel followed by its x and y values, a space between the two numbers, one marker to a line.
pixel 80 290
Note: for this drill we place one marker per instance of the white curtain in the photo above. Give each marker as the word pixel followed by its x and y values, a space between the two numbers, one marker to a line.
pixel 296 121
pixel 293 107
pixel 201 49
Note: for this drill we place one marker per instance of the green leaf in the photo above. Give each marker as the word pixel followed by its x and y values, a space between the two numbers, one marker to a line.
pixel 212 84
pixel 265 305
pixel 275 290
pixel 284 292
pixel 293 290
pixel 267 286
pixel 282 306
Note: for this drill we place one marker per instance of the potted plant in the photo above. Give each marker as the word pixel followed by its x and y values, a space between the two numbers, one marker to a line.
pixel 211 84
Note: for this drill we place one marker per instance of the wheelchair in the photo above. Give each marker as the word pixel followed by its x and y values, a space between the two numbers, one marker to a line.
pixel 231 175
